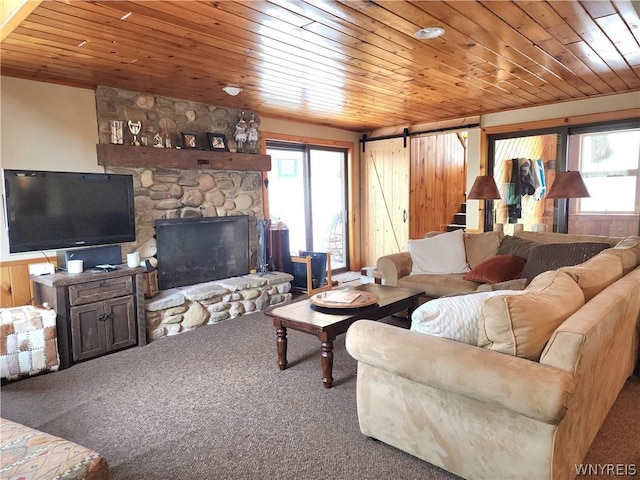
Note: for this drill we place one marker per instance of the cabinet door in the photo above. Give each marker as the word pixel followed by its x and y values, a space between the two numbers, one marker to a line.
pixel 88 331
pixel 120 323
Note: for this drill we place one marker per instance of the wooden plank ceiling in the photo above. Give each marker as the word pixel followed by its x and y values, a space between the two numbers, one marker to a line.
pixel 350 64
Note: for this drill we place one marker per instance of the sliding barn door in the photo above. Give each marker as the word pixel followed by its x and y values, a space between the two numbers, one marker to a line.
pixel 385 198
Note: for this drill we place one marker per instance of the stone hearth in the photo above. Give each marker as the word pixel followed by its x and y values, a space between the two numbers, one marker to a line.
pixel 186 308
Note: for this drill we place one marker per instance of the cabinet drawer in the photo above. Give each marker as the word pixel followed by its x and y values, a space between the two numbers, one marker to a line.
pixel 100 290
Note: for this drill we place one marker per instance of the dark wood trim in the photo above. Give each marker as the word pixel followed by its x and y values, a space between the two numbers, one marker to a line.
pixel 131 156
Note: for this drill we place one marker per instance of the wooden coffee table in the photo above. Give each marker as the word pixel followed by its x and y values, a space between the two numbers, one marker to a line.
pixel 305 317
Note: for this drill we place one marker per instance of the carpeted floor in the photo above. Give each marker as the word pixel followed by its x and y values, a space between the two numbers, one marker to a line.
pixel 212 404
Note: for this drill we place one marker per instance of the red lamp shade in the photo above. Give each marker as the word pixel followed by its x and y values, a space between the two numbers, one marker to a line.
pixel 568 185
pixel 484 188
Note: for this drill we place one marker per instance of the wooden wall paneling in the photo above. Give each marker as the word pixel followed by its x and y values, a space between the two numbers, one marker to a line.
pixel 5 287
pixel 15 286
pixel 455 155
pixel 438 182
pixel 422 195
pixel 385 196
pixel 608 225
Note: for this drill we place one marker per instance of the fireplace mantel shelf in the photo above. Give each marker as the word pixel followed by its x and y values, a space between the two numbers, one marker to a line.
pixel 131 156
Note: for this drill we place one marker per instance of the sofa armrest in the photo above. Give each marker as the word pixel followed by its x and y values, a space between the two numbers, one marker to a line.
pixel 522 386
pixel 394 267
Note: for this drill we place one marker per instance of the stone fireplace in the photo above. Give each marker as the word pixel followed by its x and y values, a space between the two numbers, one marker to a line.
pixel 196 188
pixel 167 194
pixel 201 196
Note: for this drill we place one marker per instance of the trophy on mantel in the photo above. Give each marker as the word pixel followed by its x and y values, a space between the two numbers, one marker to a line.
pixel 115 132
pixel 134 128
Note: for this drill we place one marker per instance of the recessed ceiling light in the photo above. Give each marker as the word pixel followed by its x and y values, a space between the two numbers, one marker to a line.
pixel 232 90
pixel 125 16
pixel 82 43
pixel 429 33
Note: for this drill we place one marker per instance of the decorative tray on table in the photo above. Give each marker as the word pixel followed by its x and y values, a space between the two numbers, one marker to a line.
pixel 343 299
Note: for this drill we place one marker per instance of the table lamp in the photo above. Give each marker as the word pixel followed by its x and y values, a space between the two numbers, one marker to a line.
pixel 485 188
pixel 567 185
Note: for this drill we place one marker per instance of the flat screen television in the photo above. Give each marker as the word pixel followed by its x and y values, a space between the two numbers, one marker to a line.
pixel 53 210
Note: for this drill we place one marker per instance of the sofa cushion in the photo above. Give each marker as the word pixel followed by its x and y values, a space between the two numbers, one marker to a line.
pixel 480 246
pixel 551 256
pixel 596 274
pixel 627 258
pixel 629 252
pixel 443 253
pixel 435 286
pixel 516 246
pixel 555 237
pixel 455 318
pixel 496 269
pixel 521 325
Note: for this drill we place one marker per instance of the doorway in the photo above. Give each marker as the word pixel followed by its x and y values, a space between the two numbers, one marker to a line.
pixel 308 194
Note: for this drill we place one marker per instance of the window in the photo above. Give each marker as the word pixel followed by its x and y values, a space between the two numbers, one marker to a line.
pixel 608 162
pixel 608 157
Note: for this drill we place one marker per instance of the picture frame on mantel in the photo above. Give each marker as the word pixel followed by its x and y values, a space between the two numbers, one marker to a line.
pixel 189 141
pixel 217 142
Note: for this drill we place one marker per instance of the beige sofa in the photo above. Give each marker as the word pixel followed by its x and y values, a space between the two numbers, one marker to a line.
pixel 488 411
pixel 395 269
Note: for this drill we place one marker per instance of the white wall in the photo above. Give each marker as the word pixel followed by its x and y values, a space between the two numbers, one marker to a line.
pixel 474 222
pixel 273 125
pixel 45 127
pixel 609 103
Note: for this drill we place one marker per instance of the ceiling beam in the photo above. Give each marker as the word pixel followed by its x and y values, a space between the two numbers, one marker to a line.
pixel 13 13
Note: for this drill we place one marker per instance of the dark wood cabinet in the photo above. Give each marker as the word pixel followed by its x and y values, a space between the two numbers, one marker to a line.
pixel 98 313
pixel 102 327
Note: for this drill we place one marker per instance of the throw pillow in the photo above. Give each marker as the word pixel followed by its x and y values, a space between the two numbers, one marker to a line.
pixel 521 325
pixel 496 269
pixel 516 246
pixel 455 318
pixel 480 246
pixel 443 253
pixel 550 256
